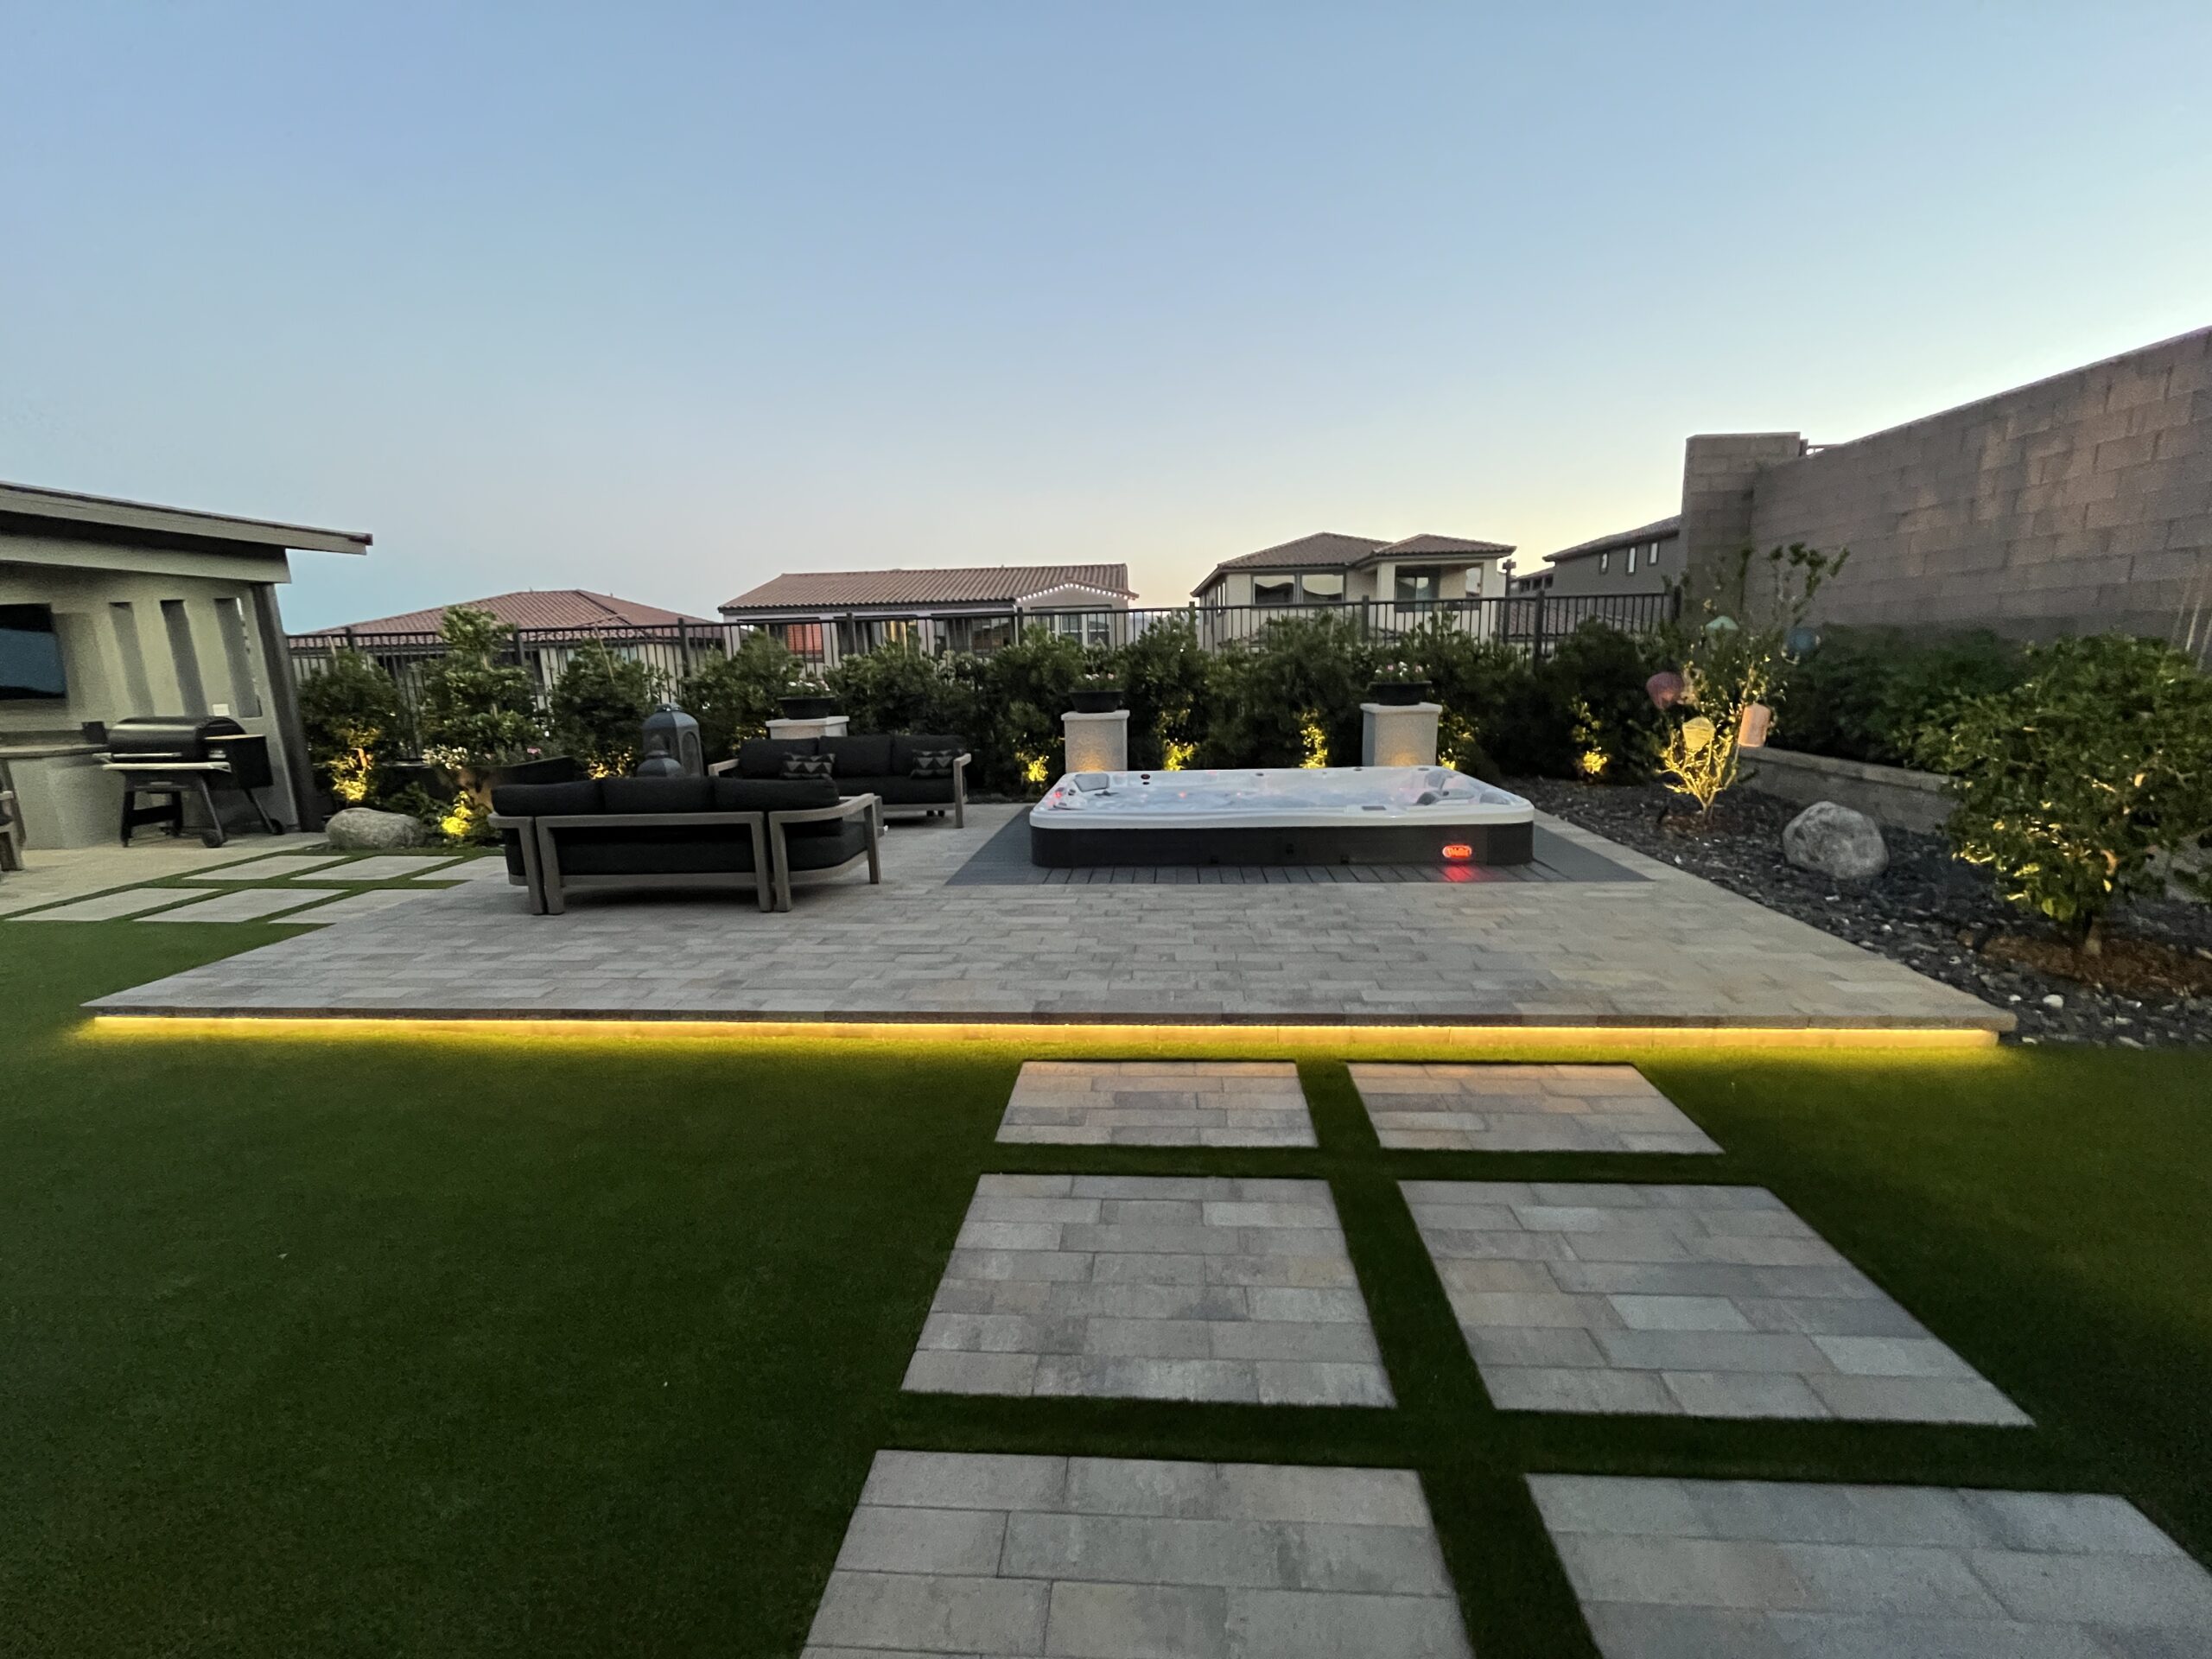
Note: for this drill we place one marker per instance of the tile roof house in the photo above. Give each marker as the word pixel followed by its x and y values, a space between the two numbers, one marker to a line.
pixel 575 608
pixel 1327 568
pixel 1644 560
pixel 825 614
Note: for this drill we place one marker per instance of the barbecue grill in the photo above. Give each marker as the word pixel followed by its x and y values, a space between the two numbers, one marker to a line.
pixel 166 757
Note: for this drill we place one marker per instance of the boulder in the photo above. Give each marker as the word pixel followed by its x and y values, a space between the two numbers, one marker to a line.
pixel 363 829
pixel 1835 841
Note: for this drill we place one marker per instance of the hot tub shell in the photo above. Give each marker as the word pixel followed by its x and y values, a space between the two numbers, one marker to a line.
pixel 1341 815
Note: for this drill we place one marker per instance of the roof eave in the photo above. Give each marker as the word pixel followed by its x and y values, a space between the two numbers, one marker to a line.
pixel 67 506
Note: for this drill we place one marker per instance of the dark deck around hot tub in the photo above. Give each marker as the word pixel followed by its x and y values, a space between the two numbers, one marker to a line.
pixel 1348 843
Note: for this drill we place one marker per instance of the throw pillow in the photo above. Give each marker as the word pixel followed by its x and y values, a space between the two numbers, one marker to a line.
pixel 934 763
pixel 807 766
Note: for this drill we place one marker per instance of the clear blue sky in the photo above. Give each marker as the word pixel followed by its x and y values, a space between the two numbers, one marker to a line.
pixel 664 299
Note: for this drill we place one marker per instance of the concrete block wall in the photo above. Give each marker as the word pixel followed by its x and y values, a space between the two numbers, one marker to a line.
pixel 1721 473
pixel 2076 505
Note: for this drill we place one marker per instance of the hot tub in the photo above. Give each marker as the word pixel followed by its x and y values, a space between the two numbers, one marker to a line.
pixel 1337 815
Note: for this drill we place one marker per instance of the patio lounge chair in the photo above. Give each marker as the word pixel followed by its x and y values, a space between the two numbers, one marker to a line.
pixel 890 766
pixel 761 838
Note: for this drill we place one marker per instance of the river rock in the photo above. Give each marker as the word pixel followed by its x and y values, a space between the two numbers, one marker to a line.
pixel 1836 842
pixel 363 829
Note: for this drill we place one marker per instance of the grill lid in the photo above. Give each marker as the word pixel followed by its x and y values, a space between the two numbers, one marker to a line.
pixel 168 737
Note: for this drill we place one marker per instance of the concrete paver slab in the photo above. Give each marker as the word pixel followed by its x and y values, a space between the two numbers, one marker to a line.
pixel 1523 1108
pixel 275 868
pixel 1155 1288
pixel 1699 1301
pixel 246 905
pixel 385 866
pixel 1025 1556
pixel 1159 1104
pixel 110 907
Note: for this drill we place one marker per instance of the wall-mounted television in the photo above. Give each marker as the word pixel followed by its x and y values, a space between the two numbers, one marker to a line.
pixel 30 654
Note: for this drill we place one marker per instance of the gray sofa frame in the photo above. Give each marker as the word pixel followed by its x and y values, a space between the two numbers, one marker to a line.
pixel 770 878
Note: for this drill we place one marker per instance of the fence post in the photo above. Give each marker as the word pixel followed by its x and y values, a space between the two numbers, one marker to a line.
pixel 1536 644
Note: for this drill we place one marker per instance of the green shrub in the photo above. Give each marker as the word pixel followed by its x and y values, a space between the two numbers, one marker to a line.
pixel 598 707
pixel 1291 696
pixel 1017 694
pixel 1594 681
pixel 355 724
pixel 2068 781
pixel 734 697
pixel 1171 684
pixel 894 688
pixel 1867 694
pixel 477 711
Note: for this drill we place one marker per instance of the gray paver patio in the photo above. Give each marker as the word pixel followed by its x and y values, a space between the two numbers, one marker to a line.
pixel 1523 1109
pixel 1020 1556
pixel 275 868
pixel 1154 1287
pixel 246 905
pixel 1699 1301
pixel 374 902
pixel 1159 1104
pixel 1784 1570
pixel 914 949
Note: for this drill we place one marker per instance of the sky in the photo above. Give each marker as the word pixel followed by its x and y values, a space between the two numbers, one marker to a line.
pixel 662 300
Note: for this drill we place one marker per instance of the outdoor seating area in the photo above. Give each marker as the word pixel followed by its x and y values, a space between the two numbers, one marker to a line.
pixel 911 775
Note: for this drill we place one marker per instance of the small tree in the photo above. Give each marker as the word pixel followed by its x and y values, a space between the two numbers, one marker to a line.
pixel 2067 782
pixel 478 712
pixel 1728 665
pixel 354 723
pixel 598 706
pixel 1169 681
pixel 734 697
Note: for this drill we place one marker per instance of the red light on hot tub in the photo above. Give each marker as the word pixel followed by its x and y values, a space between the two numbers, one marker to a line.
pixel 1458 852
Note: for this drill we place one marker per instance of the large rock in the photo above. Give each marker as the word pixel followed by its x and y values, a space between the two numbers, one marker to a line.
pixel 363 829
pixel 1835 841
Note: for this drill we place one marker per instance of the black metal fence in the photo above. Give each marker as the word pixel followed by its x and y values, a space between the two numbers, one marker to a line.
pixel 1529 622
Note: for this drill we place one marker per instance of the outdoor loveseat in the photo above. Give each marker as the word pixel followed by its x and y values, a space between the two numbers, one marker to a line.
pixel 914 774
pixel 754 835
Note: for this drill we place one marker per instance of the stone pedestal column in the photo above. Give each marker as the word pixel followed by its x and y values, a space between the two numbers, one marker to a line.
pixel 1097 742
pixel 822 725
pixel 1398 735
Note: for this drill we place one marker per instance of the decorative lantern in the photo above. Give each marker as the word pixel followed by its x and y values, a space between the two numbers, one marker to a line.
pixel 1697 734
pixel 1750 733
pixel 670 745
pixel 1665 688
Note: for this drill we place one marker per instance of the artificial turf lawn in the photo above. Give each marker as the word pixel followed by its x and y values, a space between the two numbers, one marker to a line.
pixel 373 1342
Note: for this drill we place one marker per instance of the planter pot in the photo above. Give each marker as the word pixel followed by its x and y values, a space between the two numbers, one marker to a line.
pixel 807 708
pixel 1399 694
pixel 551 769
pixel 1097 699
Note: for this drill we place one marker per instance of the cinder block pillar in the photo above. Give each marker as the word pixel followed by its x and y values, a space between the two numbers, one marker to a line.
pixel 1097 742
pixel 1398 735
pixel 822 726
pixel 1721 473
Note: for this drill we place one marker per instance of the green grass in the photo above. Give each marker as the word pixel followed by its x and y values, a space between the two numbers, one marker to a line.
pixel 372 1342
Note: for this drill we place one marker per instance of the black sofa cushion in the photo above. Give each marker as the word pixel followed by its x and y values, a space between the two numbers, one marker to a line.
pixel 546 800
pixel 772 794
pixel 826 844
pixel 657 795
pixel 858 757
pixel 906 745
pixel 763 757
pixel 909 791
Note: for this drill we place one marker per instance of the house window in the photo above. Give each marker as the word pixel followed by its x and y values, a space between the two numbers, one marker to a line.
pixel 1631 558
pixel 1417 587
pixel 1323 586
pixel 1273 590
pixel 1093 628
pixel 1604 562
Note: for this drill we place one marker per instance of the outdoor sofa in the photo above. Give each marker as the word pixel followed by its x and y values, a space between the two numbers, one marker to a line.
pixel 757 835
pixel 890 766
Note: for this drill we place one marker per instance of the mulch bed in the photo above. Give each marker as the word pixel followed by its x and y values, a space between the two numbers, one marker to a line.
pixel 2151 987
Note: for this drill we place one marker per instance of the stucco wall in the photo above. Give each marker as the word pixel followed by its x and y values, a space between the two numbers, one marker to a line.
pixel 2077 503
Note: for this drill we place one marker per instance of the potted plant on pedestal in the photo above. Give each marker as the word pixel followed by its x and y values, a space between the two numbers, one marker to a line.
pixel 808 698
pixel 1097 694
pixel 1397 686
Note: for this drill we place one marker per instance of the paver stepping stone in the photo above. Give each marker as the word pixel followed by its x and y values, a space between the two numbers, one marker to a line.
pixel 1699 1301
pixel 476 869
pixel 275 867
pixel 1159 1104
pixel 1523 1109
pixel 368 904
pixel 973 1553
pixel 246 905
pixel 1754 1568
pixel 107 906
pixel 1154 1287
pixel 389 866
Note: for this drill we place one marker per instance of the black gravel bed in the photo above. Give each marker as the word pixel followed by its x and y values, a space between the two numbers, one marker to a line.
pixel 1928 910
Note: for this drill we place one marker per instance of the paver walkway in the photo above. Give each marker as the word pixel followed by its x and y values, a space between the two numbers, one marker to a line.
pixel 1699 1301
pixel 246 905
pixel 962 1553
pixel 1775 1570
pixel 275 868
pixel 1523 1109
pixel 1159 1104
pixel 1670 949
pixel 1156 1287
